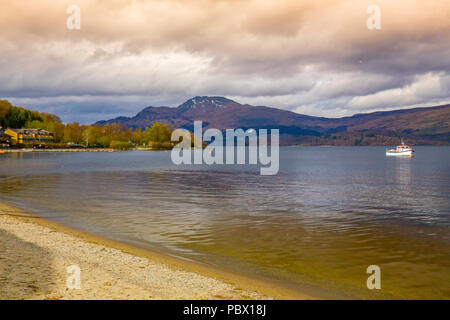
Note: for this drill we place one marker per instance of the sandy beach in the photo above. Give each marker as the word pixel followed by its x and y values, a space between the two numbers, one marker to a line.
pixel 35 254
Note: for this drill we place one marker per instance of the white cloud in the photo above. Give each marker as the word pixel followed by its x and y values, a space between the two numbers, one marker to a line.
pixel 426 88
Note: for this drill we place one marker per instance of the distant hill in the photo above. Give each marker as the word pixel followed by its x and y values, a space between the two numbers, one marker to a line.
pixel 417 126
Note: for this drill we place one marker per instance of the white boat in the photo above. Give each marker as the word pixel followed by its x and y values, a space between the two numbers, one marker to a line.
pixel 401 150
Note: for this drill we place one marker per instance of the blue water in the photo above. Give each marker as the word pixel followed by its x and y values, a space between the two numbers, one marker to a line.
pixel 328 214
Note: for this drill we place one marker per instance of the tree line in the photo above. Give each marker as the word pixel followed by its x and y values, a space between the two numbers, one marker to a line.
pixel 113 135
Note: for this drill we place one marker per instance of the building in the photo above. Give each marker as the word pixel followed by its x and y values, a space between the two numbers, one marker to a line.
pixel 4 138
pixel 30 136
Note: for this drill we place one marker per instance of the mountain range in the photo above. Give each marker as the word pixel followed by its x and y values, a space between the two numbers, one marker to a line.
pixel 429 125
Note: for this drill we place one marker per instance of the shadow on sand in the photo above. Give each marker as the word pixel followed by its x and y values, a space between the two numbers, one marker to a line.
pixel 25 269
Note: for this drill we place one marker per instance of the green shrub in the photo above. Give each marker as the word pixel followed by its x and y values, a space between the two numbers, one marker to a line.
pixel 120 145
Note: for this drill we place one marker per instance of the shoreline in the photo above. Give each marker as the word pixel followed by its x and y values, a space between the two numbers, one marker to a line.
pixel 59 150
pixel 23 229
pixel 27 150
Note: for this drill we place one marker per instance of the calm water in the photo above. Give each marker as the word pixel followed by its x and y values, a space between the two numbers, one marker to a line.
pixel 329 213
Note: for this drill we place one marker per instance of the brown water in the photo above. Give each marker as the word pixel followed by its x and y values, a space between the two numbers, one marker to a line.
pixel 327 215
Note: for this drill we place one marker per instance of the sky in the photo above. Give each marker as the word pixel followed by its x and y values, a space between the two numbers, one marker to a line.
pixel 315 57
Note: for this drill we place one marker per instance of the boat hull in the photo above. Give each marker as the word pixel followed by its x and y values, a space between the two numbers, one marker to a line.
pixel 408 153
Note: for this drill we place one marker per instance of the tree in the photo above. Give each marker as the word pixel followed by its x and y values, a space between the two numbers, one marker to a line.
pixel 73 132
pixel 16 117
pixel 91 134
pixel 157 133
pixel 4 108
pixel 58 131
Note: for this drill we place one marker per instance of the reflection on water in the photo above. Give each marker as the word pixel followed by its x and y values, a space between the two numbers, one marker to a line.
pixel 403 171
pixel 327 215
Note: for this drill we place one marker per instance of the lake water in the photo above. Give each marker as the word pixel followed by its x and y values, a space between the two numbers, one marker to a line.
pixel 328 214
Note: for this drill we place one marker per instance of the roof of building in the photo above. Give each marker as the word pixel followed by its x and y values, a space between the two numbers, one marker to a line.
pixel 32 131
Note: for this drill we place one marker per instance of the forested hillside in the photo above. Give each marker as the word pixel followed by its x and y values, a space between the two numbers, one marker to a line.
pixel 114 135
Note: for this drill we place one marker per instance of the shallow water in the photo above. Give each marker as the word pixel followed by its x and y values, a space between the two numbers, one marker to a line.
pixel 329 213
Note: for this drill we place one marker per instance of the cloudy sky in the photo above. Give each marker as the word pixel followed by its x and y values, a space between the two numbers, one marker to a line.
pixel 310 56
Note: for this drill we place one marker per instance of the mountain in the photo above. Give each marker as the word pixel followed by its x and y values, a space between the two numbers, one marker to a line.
pixel 429 125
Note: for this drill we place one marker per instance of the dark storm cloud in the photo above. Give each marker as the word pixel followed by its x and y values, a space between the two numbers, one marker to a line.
pixel 315 57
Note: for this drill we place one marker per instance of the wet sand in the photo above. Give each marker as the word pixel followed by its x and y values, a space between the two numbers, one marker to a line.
pixel 35 254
